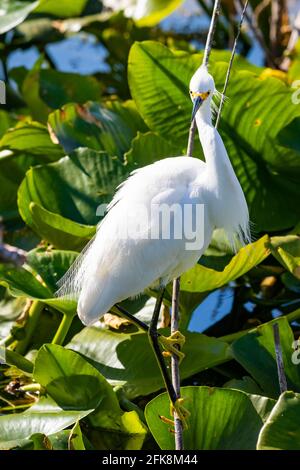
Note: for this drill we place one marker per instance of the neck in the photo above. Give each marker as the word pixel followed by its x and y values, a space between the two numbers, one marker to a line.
pixel 214 150
pixel 228 206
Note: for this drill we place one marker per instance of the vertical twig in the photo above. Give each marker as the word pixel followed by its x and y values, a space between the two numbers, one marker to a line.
pixel 291 44
pixel 279 359
pixel 207 51
pixel 231 62
pixel 211 32
pixel 175 363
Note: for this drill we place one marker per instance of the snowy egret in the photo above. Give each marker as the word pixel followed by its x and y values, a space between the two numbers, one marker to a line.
pixel 114 267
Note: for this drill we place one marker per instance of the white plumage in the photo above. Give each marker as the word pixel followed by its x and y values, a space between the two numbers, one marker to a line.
pixel 114 267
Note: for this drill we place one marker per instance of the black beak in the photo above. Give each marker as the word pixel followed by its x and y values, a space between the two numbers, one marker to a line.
pixel 196 105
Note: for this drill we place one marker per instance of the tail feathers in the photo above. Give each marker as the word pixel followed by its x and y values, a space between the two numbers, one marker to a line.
pixel 96 299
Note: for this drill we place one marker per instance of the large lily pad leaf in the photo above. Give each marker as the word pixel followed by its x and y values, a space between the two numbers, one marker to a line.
pixel 202 279
pixel 127 359
pixel 93 126
pixel 72 187
pixel 220 419
pixel 159 79
pixel 255 351
pixel 75 384
pixel 70 380
pixel 46 417
pixel 282 429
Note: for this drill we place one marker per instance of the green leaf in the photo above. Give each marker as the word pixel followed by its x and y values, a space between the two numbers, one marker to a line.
pixel 245 384
pixel 14 359
pixel 128 112
pixel 263 405
pixel 287 137
pixel 14 12
pixel 93 126
pixel 58 230
pixel 51 265
pixel 30 91
pixel 75 384
pixel 58 88
pixel 72 187
pixel 31 138
pixel 45 418
pixel 220 419
pixel 127 359
pixel 255 351
pixel 70 380
pixel 21 283
pixel 268 172
pixel 12 171
pixel 202 279
pixel 282 429
pixel 286 250
pixel 75 441
pixel 151 12
pixel 63 8
pixel 149 147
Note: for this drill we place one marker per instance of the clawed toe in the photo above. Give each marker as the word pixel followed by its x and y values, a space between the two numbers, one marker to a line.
pixel 182 413
pixel 169 344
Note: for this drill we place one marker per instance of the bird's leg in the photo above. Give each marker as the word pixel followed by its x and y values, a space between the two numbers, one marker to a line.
pixel 155 338
pixel 154 341
pixel 132 318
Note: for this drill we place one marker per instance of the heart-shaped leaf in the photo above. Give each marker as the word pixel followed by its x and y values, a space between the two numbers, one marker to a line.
pixel 220 419
pixel 282 429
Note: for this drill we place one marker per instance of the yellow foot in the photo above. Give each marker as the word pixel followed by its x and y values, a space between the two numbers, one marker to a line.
pixel 169 344
pixel 182 413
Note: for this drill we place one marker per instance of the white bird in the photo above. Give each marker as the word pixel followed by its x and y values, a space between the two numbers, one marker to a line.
pixel 114 267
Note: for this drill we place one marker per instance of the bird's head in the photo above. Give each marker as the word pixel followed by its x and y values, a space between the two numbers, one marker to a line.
pixel 202 88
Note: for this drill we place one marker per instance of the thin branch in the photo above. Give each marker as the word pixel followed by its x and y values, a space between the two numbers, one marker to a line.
pixel 175 363
pixel 211 32
pixel 231 62
pixel 291 44
pixel 279 359
pixel 207 51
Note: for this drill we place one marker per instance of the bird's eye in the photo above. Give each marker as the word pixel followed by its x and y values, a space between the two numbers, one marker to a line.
pixel 208 93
